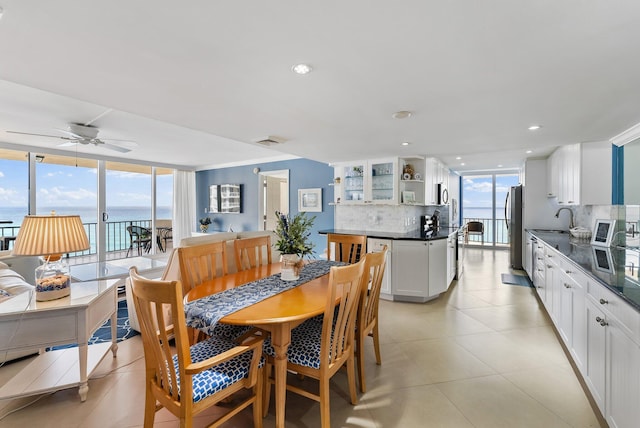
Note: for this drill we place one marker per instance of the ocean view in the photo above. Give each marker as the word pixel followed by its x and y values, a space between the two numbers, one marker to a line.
pixel 87 214
pixel 118 236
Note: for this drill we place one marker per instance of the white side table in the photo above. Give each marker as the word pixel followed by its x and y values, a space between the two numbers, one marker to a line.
pixel 29 325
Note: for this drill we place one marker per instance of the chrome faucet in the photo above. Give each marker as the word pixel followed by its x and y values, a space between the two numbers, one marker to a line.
pixel 571 223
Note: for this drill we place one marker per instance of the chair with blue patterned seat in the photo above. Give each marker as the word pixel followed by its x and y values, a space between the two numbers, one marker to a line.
pixel 320 350
pixel 186 379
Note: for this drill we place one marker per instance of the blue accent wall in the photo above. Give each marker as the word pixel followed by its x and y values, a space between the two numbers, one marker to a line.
pixel 303 174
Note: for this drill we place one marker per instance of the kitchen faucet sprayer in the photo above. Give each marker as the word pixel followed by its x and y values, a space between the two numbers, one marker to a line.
pixel 571 223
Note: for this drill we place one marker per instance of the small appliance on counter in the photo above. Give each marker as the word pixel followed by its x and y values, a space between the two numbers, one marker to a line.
pixel 430 224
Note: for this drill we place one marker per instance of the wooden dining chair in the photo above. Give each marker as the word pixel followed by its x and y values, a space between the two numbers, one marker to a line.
pixel 346 248
pixel 200 263
pixel 319 350
pixel 188 379
pixel 252 252
pixel 367 321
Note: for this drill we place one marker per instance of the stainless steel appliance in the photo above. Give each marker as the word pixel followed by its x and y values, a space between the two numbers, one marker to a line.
pixel 513 220
pixel 443 194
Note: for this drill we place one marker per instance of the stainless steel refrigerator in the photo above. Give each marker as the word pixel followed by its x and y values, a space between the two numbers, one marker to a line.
pixel 513 220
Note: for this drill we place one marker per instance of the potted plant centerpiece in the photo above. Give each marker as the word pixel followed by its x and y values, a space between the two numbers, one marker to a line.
pixel 293 242
pixel 204 224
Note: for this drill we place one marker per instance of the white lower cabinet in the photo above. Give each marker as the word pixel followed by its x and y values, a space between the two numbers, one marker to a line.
pixel 419 270
pixel 622 396
pixel 374 245
pixel 452 262
pixel 601 332
pixel 438 266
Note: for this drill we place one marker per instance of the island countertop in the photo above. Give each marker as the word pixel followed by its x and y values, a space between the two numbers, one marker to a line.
pixel 441 233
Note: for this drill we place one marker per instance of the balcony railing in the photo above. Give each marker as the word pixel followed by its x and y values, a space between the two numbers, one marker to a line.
pixel 502 235
pixel 117 236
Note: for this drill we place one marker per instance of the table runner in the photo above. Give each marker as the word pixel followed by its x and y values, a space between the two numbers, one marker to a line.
pixel 204 313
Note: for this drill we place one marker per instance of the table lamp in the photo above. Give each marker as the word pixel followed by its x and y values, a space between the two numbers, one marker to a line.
pixel 51 236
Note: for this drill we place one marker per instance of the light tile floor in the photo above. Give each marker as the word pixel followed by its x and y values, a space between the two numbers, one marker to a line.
pixel 482 355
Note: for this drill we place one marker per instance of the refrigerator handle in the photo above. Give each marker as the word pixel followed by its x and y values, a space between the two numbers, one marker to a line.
pixel 506 205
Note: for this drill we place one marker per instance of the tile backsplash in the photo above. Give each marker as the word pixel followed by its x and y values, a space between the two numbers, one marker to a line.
pixel 385 218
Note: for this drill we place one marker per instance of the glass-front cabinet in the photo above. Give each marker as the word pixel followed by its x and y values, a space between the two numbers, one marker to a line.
pixel 365 182
pixel 384 182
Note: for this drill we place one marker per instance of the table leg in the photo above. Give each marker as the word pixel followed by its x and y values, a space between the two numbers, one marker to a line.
pixel 83 349
pixel 280 338
pixel 114 332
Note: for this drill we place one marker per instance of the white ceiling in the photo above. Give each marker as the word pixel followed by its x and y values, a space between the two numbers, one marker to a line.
pixel 196 83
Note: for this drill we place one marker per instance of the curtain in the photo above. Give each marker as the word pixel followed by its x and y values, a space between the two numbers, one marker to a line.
pixel 184 205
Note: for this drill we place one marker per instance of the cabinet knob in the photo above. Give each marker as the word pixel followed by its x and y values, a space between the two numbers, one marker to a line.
pixel 568 272
pixel 567 285
pixel 602 321
pixel 549 255
pixel 549 266
pixel 603 302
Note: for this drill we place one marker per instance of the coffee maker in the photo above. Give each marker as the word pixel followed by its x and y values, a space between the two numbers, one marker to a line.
pixel 430 224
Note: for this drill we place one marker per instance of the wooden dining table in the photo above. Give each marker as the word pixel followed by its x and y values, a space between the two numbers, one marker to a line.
pixel 278 314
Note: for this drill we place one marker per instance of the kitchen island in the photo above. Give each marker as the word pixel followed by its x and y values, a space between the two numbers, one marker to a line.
pixel 420 266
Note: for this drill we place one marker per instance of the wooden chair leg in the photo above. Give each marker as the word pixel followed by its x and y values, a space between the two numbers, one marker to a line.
pixel 325 411
pixel 376 343
pixel 258 390
pixel 351 378
pixel 360 361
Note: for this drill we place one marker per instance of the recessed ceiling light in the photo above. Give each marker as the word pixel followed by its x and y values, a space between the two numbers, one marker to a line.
pixel 406 143
pixel 529 151
pixel 462 163
pixel 401 114
pixel 534 127
pixel 458 158
pixel 500 166
pixel 301 69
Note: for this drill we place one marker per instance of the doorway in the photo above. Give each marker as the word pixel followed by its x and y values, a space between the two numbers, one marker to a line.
pixel 273 196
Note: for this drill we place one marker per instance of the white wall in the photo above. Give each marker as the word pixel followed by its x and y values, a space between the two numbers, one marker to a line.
pixel 538 210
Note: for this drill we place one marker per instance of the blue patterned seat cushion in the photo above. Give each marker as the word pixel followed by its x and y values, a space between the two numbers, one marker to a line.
pixel 304 349
pixel 218 377
pixel 230 332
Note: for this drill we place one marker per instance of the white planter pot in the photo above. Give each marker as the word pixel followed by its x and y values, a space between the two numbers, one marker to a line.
pixel 290 267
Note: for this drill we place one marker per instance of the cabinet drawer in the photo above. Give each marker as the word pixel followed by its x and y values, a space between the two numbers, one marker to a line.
pixel 628 317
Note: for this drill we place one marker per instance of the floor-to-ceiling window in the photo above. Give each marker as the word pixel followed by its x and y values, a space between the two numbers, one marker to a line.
pixel 108 196
pixel 14 193
pixel 483 200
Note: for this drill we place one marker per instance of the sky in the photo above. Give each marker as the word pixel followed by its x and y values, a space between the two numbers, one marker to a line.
pixel 61 185
pixel 477 190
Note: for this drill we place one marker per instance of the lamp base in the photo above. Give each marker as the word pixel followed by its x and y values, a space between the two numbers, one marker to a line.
pixel 52 281
pixel 45 295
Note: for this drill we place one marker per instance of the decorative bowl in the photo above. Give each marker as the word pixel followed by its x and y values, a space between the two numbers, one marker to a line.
pixel 580 232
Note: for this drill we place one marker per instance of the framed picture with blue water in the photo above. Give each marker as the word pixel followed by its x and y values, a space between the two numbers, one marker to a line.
pixel 603 232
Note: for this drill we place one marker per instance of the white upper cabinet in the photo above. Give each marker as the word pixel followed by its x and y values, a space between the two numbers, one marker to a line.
pixel 364 182
pixel 411 180
pixel 580 174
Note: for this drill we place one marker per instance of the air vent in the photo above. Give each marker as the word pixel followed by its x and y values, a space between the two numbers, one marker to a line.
pixel 269 141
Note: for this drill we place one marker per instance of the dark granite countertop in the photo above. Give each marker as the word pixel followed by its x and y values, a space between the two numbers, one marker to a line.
pixel 442 233
pixel 616 268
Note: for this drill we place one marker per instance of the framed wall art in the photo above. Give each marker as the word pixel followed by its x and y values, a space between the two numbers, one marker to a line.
pixel 310 200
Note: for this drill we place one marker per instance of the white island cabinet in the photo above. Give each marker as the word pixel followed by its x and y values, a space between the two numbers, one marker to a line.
pixel 419 270
pixel 375 245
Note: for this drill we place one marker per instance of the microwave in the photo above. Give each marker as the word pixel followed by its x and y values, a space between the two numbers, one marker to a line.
pixel 443 194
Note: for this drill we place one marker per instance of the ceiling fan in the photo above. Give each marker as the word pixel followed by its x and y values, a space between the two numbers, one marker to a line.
pixel 84 134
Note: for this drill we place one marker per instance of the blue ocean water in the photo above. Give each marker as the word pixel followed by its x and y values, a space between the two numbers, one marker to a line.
pixel 88 214
pixel 117 222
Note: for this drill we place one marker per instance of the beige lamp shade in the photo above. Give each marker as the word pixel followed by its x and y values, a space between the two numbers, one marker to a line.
pixel 41 235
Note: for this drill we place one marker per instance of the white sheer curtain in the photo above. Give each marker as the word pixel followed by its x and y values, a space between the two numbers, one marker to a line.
pixel 184 204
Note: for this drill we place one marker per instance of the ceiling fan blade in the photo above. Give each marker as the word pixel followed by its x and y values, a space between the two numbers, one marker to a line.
pixel 114 147
pixel 37 135
pixel 68 143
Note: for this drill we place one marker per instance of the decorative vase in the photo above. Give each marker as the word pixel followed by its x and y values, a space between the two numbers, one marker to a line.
pixel 290 267
pixel 203 228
